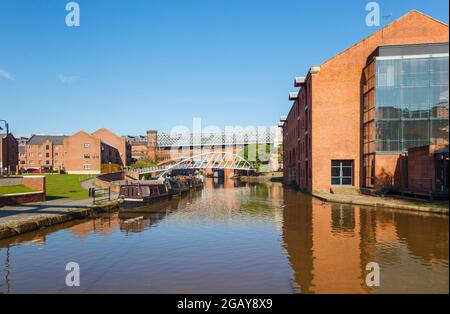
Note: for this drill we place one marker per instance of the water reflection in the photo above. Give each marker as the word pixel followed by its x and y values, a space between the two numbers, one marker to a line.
pixel 141 218
pixel 329 246
pixel 232 237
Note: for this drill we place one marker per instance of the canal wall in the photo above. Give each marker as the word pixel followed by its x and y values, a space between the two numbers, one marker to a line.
pixel 437 207
pixel 14 225
pixel 36 183
pixel 110 180
pixel 269 177
pixel 21 198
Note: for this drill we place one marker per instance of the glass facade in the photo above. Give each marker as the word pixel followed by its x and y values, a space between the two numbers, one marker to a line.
pixel 411 103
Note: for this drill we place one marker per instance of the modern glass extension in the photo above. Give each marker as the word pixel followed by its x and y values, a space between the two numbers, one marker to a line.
pixel 405 105
pixel 411 103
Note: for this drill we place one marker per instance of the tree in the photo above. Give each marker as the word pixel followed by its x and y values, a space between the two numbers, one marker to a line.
pixel 143 163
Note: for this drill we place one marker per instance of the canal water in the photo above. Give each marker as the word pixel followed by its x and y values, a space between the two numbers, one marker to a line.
pixel 235 238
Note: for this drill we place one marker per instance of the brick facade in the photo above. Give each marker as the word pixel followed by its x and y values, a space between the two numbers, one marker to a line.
pixel 116 141
pixel 37 183
pixel 324 123
pixel 9 153
pixel 421 169
pixel 78 153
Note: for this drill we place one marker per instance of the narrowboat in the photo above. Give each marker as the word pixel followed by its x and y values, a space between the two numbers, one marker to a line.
pixel 197 181
pixel 142 192
pixel 177 185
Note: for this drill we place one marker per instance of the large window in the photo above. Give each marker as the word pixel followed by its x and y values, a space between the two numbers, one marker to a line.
pixel 342 172
pixel 411 102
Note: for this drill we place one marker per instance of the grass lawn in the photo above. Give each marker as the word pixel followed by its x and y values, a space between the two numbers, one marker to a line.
pixel 66 186
pixel 13 189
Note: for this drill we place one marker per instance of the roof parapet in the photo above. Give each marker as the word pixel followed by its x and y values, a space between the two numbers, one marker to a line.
pixel 314 70
pixel 299 81
pixel 293 96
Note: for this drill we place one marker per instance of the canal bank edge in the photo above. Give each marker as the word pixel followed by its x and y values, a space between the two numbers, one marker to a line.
pixel 379 202
pixel 47 221
pixel 357 198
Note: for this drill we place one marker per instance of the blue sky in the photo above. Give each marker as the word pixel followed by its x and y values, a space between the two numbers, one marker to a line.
pixel 154 64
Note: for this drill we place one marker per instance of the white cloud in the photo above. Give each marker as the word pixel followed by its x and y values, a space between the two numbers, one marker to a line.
pixel 65 79
pixel 6 75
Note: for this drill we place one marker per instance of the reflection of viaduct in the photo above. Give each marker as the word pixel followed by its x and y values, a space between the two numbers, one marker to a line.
pixel 329 245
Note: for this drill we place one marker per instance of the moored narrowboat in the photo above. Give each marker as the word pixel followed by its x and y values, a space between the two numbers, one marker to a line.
pixel 177 185
pixel 197 181
pixel 142 192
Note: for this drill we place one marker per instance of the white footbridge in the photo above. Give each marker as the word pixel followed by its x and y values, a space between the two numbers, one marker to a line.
pixel 210 160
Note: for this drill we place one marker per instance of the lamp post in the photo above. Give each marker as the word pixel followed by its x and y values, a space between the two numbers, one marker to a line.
pixel 7 143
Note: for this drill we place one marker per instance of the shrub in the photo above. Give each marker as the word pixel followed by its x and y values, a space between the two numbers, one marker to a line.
pixel 109 168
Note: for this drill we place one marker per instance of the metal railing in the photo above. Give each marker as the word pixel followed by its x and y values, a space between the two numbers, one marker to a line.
pixel 100 195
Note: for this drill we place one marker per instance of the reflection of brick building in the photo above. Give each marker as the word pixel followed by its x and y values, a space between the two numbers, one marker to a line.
pixel 77 153
pixel 356 113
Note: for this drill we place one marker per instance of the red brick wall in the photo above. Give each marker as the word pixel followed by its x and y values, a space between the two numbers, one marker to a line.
pixel 12 160
pixel 336 94
pixel 106 181
pixel 22 199
pixel 388 170
pixel 116 141
pixel 75 150
pixel 116 176
pixel 421 168
pixel 152 144
pixel 36 155
pixel 36 183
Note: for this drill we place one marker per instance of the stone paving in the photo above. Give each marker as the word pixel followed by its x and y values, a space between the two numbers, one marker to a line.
pixel 440 207
pixel 23 218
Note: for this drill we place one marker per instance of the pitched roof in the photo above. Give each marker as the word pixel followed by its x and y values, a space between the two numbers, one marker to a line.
pixel 40 139
pixel 105 130
pixel 383 29
pixel 135 139
pixel 3 135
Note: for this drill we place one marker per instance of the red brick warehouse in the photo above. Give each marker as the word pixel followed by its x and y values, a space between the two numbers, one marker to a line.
pixel 356 113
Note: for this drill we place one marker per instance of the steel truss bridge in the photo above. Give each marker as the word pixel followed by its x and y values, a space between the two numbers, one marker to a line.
pixel 210 160
pixel 224 138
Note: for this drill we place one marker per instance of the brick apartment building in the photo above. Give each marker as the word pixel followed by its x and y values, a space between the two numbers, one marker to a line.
pixel 113 140
pixel 81 152
pixel 138 146
pixel 42 151
pixel 357 113
pixel 9 149
pixel 85 153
